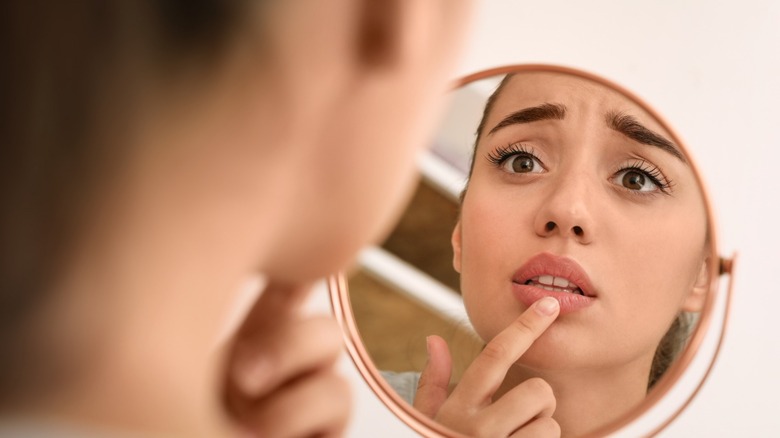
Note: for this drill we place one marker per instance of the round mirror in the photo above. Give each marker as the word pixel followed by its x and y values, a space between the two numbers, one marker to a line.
pixel 542 182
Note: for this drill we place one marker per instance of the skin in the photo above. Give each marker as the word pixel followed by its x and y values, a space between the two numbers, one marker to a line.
pixel 643 252
pixel 472 408
pixel 284 164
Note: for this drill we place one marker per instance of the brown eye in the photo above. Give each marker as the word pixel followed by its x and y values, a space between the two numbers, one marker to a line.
pixel 635 180
pixel 523 164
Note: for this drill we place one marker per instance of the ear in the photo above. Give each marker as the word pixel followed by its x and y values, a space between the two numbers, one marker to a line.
pixel 393 32
pixel 378 32
pixel 695 300
pixel 456 247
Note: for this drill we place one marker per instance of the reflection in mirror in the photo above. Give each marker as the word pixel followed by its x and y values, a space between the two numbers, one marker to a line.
pixel 541 183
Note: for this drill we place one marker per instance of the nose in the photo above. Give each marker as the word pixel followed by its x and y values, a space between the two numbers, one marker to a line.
pixel 567 212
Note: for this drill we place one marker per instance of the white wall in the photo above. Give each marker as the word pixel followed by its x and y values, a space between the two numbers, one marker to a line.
pixel 712 68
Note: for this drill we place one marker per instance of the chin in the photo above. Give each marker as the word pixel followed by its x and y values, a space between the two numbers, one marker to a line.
pixel 312 260
pixel 551 356
pixel 562 349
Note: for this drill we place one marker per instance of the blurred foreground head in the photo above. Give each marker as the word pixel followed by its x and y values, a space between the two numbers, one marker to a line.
pixel 155 152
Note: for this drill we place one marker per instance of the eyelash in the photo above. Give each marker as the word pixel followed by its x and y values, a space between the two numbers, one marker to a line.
pixel 500 155
pixel 651 171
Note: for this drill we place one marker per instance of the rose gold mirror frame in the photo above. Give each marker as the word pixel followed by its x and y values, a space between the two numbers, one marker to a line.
pixel 339 293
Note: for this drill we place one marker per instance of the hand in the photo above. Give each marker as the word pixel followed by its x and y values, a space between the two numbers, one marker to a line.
pixel 525 411
pixel 281 377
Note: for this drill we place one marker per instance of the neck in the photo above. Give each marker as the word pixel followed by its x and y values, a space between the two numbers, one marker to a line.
pixel 142 373
pixel 127 394
pixel 151 278
pixel 587 400
pixel 149 304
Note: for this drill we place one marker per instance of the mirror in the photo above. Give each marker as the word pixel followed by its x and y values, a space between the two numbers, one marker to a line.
pixel 542 181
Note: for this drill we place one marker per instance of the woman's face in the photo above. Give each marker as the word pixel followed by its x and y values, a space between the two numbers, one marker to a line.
pixel 576 189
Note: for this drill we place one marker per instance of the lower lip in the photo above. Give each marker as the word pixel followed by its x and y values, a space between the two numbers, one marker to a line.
pixel 570 302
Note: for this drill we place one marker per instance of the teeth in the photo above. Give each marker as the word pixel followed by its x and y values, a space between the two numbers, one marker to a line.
pixel 549 280
pixel 555 284
pixel 546 279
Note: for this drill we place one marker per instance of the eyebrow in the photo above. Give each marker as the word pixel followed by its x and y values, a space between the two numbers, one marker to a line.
pixel 623 123
pixel 546 111
pixel 631 128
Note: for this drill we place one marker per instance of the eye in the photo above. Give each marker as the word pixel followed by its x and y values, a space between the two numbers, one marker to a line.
pixel 641 177
pixel 516 158
pixel 522 164
pixel 635 180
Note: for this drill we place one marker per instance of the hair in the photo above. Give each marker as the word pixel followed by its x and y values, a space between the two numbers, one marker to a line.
pixel 66 65
pixel 676 336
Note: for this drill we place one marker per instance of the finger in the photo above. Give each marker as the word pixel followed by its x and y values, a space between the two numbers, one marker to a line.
pixel 267 360
pixel 433 387
pixel 541 427
pixel 526 402
pixel 277 303
pixel 488 370
pixel 317 405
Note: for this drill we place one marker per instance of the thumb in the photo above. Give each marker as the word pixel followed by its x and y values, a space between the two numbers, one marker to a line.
pixel 432 390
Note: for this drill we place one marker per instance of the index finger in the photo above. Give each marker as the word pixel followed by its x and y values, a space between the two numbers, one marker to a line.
pixel 276 303
pixel 487 372
pixel 271 313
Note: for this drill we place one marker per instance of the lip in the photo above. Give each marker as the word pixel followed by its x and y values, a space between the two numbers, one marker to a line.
pixel 558 266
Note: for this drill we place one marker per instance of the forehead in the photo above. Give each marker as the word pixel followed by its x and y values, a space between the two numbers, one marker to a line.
pixel 581 97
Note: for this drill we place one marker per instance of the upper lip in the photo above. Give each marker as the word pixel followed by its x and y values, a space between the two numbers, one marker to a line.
pixel 557 266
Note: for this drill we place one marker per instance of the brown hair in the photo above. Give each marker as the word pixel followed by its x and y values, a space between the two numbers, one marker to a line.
pixel 64 65
pixel 676 336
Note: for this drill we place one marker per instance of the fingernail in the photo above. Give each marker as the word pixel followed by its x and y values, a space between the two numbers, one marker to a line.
pixel 428 346
pixel 253 375
pixel 546 306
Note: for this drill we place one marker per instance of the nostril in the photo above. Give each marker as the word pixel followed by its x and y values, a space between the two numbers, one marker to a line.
pixel 549 226
pixel 578 230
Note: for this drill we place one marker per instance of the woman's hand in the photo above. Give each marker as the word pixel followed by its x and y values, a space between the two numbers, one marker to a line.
pixel 525 411
pixel 281 377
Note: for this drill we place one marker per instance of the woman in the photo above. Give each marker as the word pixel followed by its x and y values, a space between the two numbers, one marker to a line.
pixel 581 209
pixel 155 155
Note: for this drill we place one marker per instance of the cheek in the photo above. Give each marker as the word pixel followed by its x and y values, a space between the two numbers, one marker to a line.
pixel 357 186
pixel 491 230
pixel 656 261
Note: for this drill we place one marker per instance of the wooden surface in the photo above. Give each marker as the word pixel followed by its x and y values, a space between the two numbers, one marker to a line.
pixel 393 328
pixel 422 237
pixel 392 325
